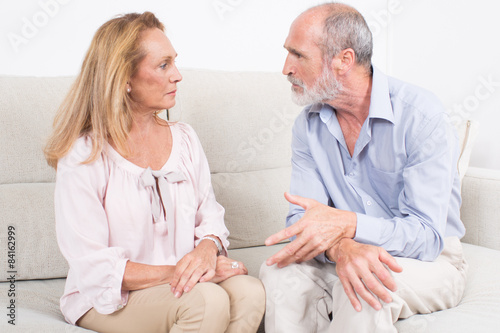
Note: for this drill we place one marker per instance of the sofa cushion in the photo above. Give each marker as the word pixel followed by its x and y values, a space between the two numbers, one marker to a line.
pixel 480 197
pixel 479 310
pixel 29 208
pixel 254 203
pixel 37 307
pixel 28 107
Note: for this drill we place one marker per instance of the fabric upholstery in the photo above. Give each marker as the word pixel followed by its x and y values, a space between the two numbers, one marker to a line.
pixel 29 208
pixel 479 211
pixel 254 203
pixel 27 111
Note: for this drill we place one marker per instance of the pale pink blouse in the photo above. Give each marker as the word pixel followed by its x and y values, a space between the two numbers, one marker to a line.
pixel 111 211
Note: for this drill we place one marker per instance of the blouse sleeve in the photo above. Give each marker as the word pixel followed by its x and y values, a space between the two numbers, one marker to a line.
pixel 82 230
pixel 210 214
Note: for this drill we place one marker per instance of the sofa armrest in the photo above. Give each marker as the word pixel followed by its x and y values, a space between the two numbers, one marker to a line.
pixel 480 209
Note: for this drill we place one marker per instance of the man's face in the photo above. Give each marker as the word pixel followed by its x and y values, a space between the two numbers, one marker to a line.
pixel 312 80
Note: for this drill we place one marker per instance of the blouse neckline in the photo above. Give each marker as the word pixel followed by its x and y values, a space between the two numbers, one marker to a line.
pixel 170 164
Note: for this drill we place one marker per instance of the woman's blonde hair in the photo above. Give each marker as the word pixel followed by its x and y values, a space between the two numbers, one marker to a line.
pixel 97 103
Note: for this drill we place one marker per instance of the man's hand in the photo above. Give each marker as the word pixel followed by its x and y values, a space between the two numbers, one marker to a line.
pixel 361 270
pixel 197 265
pixel 319 229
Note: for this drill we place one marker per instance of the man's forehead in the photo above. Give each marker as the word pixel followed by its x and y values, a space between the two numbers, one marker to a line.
pixel 303 34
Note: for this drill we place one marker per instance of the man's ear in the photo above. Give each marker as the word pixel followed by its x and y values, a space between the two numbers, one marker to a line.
pixel 345 61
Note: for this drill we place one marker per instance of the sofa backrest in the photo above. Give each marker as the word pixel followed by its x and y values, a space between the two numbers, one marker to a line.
pixel 244 123
pixel 27 108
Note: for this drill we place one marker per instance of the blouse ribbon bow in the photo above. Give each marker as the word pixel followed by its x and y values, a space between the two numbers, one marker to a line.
pixel 159 183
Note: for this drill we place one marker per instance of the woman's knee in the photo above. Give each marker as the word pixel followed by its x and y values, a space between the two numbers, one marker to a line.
pixel 245 290
pixel 210 302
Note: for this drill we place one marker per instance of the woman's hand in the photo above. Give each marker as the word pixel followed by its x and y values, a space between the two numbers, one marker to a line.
pixel 226 269
pixel 197 266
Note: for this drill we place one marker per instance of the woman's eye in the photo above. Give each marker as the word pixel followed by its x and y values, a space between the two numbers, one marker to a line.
pixel 163 66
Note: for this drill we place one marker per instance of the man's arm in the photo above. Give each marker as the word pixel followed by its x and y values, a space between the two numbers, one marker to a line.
pixel 360 267
pixel 319 230
pixel 427 200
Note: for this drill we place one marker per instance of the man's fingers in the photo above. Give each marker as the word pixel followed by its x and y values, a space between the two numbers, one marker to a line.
pixel 349 291
pixel 376 287
pixel 284 234
pixel 307 253
pixel 390 261
pixel 363 290
pixel 286 255
pixel 299 201
pixel 382 272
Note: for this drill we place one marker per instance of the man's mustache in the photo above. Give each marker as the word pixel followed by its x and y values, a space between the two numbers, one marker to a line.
pixel 294 80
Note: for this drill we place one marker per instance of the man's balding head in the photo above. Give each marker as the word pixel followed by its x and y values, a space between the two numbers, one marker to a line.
pixel 336 27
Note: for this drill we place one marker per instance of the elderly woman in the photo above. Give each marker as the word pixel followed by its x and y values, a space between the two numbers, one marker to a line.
pixel 136 216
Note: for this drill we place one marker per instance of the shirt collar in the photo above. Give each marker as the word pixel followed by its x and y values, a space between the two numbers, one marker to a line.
pixel 380 101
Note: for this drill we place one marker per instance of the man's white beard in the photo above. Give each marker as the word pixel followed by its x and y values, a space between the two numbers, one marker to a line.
pixel 326 88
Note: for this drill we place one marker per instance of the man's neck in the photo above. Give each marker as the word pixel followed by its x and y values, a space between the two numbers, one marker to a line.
pixel 352 106
pixel 353 102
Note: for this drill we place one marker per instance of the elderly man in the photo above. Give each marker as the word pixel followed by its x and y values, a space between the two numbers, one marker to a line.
pixel 375 193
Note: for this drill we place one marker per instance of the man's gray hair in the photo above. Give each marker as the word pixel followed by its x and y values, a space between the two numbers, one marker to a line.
pixel 344 28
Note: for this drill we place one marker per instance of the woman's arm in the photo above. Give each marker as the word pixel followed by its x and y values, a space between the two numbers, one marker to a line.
pixel 139 276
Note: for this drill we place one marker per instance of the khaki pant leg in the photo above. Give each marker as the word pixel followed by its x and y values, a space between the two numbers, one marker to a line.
pixel 203 309
pixel 298 297
pixel 423 287
pixel 247 303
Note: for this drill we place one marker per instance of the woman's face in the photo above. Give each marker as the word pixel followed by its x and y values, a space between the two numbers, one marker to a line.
pixel 154 85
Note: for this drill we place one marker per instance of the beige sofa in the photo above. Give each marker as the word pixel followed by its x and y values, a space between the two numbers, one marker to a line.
pixel 244 122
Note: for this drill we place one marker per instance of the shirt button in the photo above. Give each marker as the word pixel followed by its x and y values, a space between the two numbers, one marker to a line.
pixel 351 174
pixel 369 203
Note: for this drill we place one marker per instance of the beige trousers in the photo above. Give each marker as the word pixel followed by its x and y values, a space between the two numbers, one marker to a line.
pixel 235 305
pixel 309 297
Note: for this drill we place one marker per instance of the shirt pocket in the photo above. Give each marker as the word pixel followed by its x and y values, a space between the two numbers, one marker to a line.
pixel 389 186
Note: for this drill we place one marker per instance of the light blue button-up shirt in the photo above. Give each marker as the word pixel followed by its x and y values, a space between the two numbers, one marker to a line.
pixel 401 181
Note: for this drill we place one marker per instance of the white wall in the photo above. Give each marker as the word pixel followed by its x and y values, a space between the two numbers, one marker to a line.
pixel 447 46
